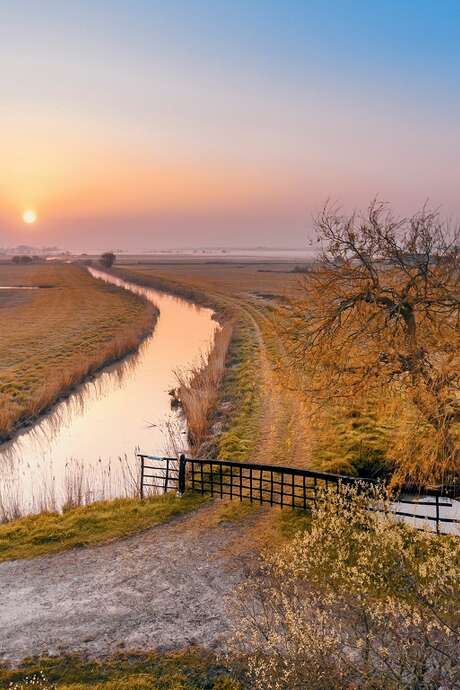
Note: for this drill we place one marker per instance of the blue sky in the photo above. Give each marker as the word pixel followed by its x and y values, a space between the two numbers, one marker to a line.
pixel 158 123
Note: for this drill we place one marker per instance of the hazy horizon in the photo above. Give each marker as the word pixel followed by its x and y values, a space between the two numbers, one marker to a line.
pixel 200 123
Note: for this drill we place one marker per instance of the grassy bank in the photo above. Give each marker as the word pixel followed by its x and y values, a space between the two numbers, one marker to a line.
pixel 100 522
pixel 187 670
pixel 198 390
pixel 53 338
pixel 240 396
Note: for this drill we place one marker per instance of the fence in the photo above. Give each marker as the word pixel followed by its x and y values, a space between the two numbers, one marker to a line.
pixel 283 486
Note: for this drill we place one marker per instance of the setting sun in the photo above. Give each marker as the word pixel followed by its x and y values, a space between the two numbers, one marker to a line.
pixel 29 216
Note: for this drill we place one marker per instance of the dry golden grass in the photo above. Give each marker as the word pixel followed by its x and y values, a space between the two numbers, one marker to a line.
pixel 199 388
pixel 52 338
pixel 261 279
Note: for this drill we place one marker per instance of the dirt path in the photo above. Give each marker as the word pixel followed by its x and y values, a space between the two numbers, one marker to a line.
pixel 289 441
pixel 282 439
pixel 164 588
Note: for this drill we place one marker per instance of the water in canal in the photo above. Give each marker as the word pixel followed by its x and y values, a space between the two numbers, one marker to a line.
pixel 87 444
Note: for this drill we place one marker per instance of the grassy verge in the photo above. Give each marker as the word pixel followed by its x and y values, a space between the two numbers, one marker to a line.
pixel 52 339
pixel 239 396
pixel 48 533
pixel 187 670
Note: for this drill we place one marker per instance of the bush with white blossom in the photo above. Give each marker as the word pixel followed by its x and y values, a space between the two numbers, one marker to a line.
pixel 36 682
pixel 358 600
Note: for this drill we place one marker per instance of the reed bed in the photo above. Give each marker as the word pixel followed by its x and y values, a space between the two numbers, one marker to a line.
pixel 56 337
pixel 198 388
pixel 79 485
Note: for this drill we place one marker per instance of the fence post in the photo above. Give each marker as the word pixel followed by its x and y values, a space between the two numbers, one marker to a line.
pixel 182 465
pixel 142 478
pixel 437 514
pixel 167 476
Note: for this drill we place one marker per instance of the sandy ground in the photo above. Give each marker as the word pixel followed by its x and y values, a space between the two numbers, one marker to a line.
pixel 164 588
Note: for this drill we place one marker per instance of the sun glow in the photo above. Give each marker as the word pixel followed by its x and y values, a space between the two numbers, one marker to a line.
pixel 29 216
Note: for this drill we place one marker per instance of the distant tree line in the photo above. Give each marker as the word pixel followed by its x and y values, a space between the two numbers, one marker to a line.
pixel 26 259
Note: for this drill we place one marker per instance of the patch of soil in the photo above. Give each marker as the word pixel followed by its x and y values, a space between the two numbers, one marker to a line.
pixel 162 589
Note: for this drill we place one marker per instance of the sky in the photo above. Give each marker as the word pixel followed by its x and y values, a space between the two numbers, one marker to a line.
pixel 153 124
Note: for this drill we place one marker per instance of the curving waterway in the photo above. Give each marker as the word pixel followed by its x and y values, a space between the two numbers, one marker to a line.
pixel 85 448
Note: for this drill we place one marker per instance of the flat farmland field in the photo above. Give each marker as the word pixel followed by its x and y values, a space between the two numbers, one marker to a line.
pixel 262 279
pixel 54 336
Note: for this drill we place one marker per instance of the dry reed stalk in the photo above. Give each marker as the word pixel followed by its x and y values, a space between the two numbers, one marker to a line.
pixel 10 502
pixel 199 388
pixel 174 434
pixel 81 485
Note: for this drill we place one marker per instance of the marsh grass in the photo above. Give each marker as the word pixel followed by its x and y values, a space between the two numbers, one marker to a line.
pixel 198 388
pixel 192 669
pixel 79 485
pixel 53 339
pixel 98 522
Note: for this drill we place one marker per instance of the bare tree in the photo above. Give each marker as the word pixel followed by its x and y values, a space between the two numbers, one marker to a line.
pixel 381 313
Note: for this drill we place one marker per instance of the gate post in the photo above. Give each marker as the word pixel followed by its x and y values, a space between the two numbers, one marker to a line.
pixel 142 479
pixel 182 465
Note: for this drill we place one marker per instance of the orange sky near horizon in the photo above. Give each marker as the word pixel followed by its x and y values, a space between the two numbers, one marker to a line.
pixel 65 172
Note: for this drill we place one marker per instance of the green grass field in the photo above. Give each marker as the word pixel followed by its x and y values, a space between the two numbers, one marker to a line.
pixel 36 535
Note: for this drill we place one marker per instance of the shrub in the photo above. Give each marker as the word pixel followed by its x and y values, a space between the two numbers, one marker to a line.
pixel 107 259
pixel 356 600
pixel 22 259
pixel 37 681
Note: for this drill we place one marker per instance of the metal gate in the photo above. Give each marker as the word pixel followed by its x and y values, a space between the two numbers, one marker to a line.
pixel 286 487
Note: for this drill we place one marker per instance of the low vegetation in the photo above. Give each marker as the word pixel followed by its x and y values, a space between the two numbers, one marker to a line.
pixel 354 599
pixel 198 389
pixel 46 533
pixel 193 669
pixel 240 396
pixel 54 337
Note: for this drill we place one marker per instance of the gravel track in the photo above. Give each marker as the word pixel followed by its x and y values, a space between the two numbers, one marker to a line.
pixel 164 588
